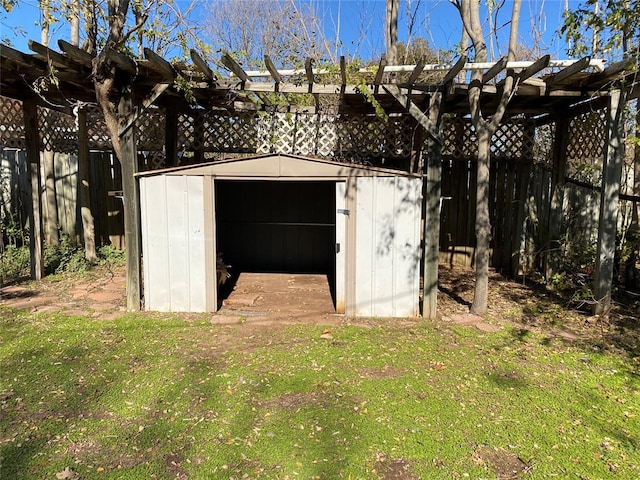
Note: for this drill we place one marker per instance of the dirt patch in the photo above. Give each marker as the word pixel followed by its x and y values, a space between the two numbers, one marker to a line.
pixel 505 464
pixel 393 468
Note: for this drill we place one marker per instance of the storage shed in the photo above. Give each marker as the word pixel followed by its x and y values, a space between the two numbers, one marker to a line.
pixel 282 213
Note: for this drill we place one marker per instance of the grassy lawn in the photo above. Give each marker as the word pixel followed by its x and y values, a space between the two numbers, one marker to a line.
pixel 147 396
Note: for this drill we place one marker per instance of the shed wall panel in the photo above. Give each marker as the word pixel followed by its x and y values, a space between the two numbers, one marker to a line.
pixel 172 211
pixel 388 246
pixel 155 249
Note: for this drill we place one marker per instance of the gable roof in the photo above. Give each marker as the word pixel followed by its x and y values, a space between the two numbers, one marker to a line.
pixel 279 166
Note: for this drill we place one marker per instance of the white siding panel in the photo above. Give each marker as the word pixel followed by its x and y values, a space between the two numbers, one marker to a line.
pixel 196 242
pixel 154 243
pixel 365 265
pixel 172 217
pixel 388 246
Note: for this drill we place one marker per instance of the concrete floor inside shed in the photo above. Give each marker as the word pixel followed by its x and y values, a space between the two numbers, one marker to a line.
pixel 281 297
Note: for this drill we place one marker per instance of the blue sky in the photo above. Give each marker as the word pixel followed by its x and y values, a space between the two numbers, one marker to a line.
pixel 361 24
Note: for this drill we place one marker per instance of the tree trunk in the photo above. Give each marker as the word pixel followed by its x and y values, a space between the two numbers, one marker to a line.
pixel 392 31
pixel 75 23
pixel 483 224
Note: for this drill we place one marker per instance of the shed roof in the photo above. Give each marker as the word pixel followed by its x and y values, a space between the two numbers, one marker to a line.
pixel 279 166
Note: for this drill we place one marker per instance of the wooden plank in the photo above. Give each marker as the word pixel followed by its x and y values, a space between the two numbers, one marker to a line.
pixel 416 72
pixel 308 68
pixel 556 200
pixel 202 65
pixel 413 109
pixel 22 59
pixel 159 64
pixel 58 60
pixel 343 71
pixel 380 72
pixel 121 61
pixel 234 67
pixel 536 67
pixel 609 203
pixel 494 71
pixel 129 165
pixel 433 193
pixel 84 186
pixel 455 70
pixel 32 144
pixel 272 69
pixel 171 135
pixel 76 53
pixel 521 196
pixel 567 72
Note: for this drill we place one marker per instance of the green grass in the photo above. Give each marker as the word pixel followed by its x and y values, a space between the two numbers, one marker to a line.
pixel 146 396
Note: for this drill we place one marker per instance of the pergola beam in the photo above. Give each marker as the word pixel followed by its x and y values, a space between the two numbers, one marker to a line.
pixel 568 72
pixel 202 66
pixel 414 111
pixel 494 71
pixel 234 67
pixel 272 69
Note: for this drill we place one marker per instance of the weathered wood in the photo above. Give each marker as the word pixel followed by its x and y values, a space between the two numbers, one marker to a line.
pixel 129 165
pixel 416 72
pixel 155 93
pixel 380 72
pixel 171 135
pixel 308 69
pixel 455 70
pixel 494 71
pixel 159 64
pixel 234 67
pixel 536 67
pixel 76 53
pixel 567 72
pixel 432 210
pixel 32 140
pixel 122 61
pixel 609 203
pixel 52 220
pixel 57 59
pixel 415 112
pixel 84 189
pixel 554 229
pixel 202 65
pixel 21 58
pixel 272 69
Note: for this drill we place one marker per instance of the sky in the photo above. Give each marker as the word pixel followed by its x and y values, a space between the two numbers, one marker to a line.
pixel 359 24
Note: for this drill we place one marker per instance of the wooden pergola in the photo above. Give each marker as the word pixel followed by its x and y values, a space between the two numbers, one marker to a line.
pixel 546 91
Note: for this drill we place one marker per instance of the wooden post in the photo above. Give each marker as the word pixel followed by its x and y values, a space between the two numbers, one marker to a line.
pixel 554 226
pixel 129 166
pixel 609 203
pixel 30 111
pixel 432 212
pixel 52 223
pixel 171 136
pixel 84 186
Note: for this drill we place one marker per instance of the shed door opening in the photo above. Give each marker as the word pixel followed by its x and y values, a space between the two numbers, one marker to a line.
pixel 277 226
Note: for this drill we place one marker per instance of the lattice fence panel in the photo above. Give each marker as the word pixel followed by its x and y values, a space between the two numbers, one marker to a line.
pixel 513 140
pixel 306 135
pixel 204 131
pixel 97 130
pixel 586 145
pixel 12 125
pixel 58 131
pixel 150 131
pixel 459 139
pixel 327 136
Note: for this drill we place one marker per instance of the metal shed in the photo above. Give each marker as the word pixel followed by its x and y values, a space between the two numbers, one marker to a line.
pixel 284 213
